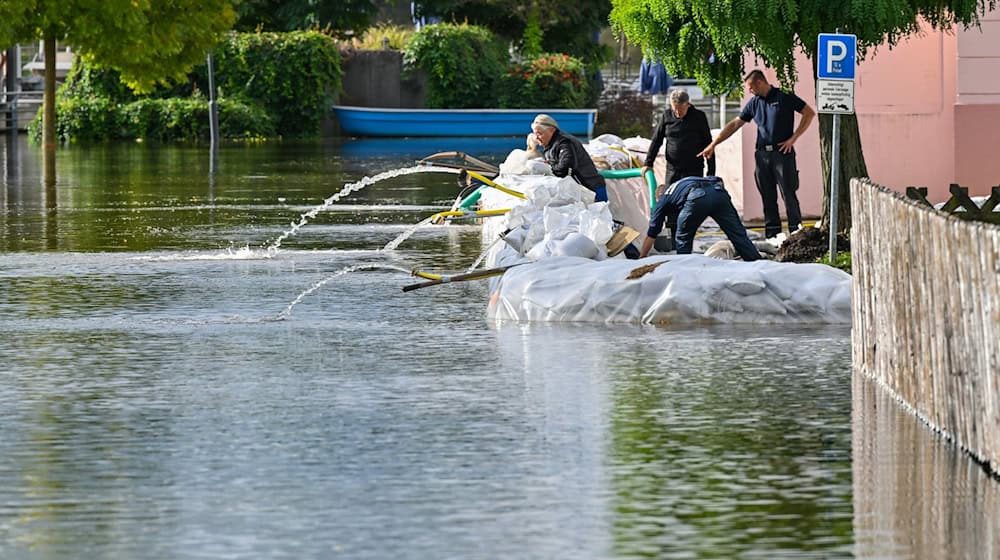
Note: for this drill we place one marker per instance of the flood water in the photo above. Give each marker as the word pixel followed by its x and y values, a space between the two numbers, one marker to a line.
pixel 152 407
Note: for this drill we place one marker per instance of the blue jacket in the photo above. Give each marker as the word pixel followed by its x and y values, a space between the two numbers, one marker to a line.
pixel 673 199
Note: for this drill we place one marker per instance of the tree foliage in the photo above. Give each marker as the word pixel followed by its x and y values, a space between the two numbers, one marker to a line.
pixel 340 17
pixel 463 63
pixel 707 39
pixel 567 27
pixel 686 33
pixel 269 83
pixel 148 41
pixel 550 80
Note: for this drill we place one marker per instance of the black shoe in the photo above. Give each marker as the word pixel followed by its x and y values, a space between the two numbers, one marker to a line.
pixel 631 253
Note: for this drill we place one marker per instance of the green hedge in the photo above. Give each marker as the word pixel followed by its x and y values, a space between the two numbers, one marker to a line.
pixel 294 76
pixel 270 84
pixel 463 63
pixel 165 120
pixel 550 81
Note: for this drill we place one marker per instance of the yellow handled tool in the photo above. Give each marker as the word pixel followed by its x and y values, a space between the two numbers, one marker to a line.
pixel 458 214
pixel 500 188
pixel 435 279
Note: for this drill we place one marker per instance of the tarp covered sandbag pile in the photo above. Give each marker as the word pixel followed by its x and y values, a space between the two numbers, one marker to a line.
pixel 681 289
pixel 555 239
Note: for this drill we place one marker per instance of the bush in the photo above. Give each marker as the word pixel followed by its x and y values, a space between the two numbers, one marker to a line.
pixel 86 80
pixel 549 81
pixel 626 116
pixel 177 119
pixel 85 118
pixel 294 76
pixel 843 261
pixel 464 64
pixel 273 83
pixel 164 120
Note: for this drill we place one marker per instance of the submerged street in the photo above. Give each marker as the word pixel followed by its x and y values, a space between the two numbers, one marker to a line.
pixel 154 406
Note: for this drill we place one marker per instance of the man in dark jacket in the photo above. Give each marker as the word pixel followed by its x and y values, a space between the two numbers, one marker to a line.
pixel 567 156
pixel 693 199
pixel 685 130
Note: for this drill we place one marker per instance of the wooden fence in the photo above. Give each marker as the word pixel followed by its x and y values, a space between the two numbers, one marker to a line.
pixel 961 205
pixel 926 313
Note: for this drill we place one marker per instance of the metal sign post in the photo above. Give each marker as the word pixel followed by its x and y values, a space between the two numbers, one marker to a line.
pixel 213 111
pixel 835 68
pixel 834 168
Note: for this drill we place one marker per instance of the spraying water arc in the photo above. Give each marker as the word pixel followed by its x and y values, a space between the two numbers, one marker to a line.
pixel 348 189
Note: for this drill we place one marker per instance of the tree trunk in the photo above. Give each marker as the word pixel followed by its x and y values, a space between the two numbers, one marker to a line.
pixel 49 112
pixel 852 164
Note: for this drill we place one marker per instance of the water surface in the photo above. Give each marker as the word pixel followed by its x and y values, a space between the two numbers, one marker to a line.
pixel 152 407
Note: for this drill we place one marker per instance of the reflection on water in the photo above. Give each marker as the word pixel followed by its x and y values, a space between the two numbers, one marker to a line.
pixel 151 408
pixel 733 445
pixel 916 496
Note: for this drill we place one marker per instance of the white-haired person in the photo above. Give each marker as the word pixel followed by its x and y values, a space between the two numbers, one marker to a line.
pixel 566 156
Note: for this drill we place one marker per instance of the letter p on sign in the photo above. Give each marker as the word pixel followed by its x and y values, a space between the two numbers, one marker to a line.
pixel 837 54
pixel 836 51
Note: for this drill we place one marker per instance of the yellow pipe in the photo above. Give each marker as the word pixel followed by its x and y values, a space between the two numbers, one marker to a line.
pixel 469 213
pixel 474 275
pixel 500 188
pixel 427 275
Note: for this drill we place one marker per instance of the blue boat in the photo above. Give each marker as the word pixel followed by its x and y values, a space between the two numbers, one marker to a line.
pixel 372 121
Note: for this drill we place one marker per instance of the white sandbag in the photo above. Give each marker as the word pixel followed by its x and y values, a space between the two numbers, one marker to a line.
pixel 558 239
pixel 684 289
pixel 522 162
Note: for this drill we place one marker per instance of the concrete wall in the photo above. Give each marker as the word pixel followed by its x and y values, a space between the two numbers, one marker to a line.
pixel 375 79
pixel 977 109
pixel 927 110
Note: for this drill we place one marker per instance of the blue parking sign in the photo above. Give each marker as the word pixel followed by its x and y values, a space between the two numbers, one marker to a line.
pixel 836 56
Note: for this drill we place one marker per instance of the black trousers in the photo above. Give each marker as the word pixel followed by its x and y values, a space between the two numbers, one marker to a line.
pixel 775 169
pixel 673 175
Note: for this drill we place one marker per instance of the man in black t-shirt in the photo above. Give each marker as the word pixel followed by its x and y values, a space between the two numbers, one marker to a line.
pixel 774 112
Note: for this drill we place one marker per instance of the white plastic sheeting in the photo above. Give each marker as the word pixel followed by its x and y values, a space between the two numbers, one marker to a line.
pixel 684 289
pixel 627 198
pixel 557 237
pixel 559 217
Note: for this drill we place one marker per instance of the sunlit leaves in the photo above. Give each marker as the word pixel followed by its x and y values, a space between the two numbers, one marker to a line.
pixel 685 33
pixel 146 40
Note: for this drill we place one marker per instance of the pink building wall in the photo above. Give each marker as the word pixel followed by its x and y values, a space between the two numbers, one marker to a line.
pixel 928 111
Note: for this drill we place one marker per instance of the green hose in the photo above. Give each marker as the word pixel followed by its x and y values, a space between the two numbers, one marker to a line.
pixel 473 198
pixel 634 172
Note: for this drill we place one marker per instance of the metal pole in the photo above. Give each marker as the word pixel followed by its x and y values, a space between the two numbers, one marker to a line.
pixel 13 85
pixel 834 167
pixel 722 108
pixel 213 111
